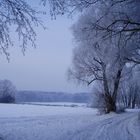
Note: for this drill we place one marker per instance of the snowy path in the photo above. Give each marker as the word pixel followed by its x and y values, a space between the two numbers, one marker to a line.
pixel 119 127
pixel 64 123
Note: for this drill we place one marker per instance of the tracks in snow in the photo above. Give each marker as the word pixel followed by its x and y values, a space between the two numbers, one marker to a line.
pixel 72 127
pixel 115 128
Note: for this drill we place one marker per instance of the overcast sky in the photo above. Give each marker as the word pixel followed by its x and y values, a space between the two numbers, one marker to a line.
pixel 45 67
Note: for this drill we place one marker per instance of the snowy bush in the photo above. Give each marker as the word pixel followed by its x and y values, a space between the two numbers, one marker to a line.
pixel 7 99
pixel 120 109
pixel 1 137
pixel 99 102
pixel 7 92
pixel 139 117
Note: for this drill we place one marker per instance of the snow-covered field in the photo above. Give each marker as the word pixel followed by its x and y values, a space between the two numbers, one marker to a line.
pixel 35 122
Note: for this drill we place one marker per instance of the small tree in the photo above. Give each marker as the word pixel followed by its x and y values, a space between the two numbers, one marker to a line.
pixel 7 91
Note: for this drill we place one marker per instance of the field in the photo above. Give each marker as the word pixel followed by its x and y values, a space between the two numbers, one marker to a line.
pixel 65 122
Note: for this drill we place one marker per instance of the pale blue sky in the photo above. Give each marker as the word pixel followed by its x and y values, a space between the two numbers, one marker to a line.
pixel 45 67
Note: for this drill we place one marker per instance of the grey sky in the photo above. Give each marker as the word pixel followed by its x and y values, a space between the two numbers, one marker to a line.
pixel 45 67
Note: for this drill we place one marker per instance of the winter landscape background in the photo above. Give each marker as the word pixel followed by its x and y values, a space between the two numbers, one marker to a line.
pixel 69 69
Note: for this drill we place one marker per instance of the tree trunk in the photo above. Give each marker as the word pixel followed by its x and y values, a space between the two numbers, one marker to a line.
pixel 129 101
pixel 116 86
pixel 110 104
pixel 133 104
pixel 109 101
pixel 134 101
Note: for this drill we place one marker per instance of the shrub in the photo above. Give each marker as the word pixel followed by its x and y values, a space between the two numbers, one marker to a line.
pixel 120 109
pixel 139 117
pixel 7 92
pixel 7 99
pixel 99 102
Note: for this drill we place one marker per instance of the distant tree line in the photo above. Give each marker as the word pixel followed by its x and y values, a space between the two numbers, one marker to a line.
pixel 40 96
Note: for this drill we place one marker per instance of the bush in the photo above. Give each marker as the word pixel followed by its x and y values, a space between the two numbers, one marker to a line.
pixel 1 137
pixel 120 109
pixel 7 99
pixel 139 117
pixel 7 92
pixel 99 102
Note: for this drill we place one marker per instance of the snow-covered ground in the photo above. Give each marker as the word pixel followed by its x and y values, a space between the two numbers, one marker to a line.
pixel 35 122
pixel 19 110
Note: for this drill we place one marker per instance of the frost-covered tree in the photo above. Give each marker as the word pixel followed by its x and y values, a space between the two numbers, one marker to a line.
pixel 129 91
pixel 7 91
pixel 19 17
pixel 102 58
pixel 127 20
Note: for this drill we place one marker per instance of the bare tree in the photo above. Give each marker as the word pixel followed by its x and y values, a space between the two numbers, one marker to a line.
pixel 112 20
pixel 21 17
pixel 101 59
pixel 92 64
pixel 123 20
pixel 126 19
